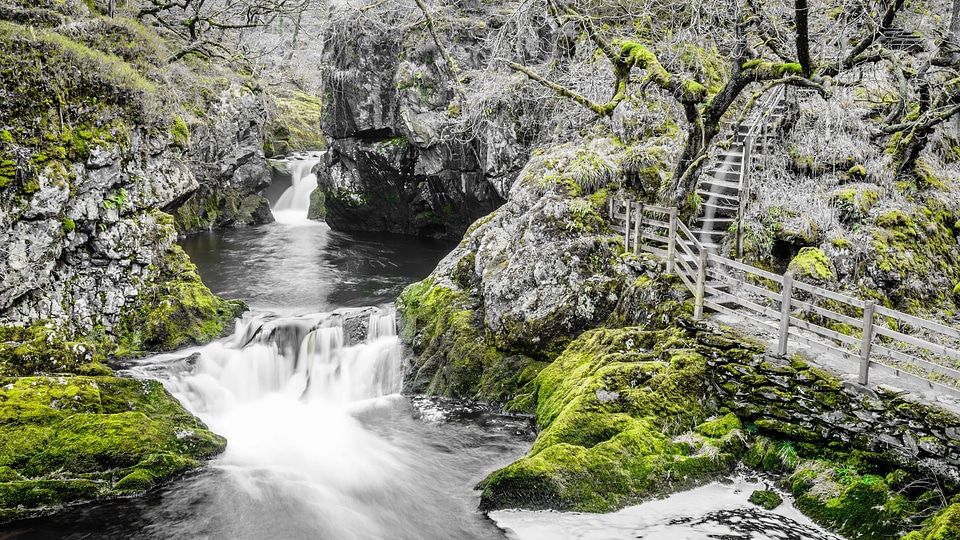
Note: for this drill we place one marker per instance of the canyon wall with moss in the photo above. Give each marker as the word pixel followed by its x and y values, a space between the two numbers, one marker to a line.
pixel 107 152
pixel 101 141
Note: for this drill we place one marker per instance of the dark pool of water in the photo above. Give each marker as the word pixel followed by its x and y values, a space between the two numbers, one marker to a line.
pixel 305 267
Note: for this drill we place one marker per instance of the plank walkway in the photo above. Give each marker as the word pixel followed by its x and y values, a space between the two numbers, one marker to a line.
pixel 871 335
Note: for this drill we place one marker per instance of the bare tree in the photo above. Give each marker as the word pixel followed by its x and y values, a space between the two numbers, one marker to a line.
pixel 209 27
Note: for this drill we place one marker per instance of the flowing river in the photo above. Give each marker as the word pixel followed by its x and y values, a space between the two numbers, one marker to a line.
pixel 321 443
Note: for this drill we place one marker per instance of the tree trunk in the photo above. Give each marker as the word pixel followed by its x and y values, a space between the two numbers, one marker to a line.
pixel 112 8
pixel 803 41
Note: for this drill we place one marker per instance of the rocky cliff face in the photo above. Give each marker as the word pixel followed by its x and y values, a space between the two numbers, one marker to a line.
pixel 403 156
pixel 227 158
pixel 86 178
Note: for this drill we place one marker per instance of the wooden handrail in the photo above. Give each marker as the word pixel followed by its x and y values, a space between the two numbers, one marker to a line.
pixel 702 272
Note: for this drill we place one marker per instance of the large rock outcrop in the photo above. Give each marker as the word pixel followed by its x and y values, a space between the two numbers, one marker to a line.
pixel 526 281
pixel 408 152
pixel 225 150
pixel 88 248
pixel 99 138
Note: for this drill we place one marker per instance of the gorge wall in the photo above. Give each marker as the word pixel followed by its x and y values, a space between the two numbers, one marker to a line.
pixel 406 152
pixel 101 139
pixel 100 142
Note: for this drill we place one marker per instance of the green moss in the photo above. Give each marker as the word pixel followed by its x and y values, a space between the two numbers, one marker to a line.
pixel 721 426
pixel 601 407
pixel 919 246
pixel 68 225
pixel 854 203
pixel 452 354
pixel 178 310
pixel 296 125
pixel 85 430
pixel 945 525
pixel 42 348
pixel 766 499
pixel 180 132
pixel 849 503
pixel 812 263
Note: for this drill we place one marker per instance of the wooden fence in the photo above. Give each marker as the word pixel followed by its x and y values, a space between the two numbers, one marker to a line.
pixel 861 330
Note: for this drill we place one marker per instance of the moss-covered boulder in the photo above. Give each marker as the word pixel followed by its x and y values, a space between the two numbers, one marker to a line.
pixel 855 505
pixel 945 525
pixel 74 438
pixel 530 278
pixel 624 416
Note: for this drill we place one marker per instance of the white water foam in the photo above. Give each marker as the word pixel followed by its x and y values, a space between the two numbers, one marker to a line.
pixel 284 393
pixel 713 511
pixel 293 204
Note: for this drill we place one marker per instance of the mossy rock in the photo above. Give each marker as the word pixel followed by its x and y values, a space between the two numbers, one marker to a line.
pixel 851 504
pixel 91 432
pixel 178 311
pixel 601 407
pixel 43 348
pixel 453 359
pixel 766 499
pixel 945 525
pixel 812 264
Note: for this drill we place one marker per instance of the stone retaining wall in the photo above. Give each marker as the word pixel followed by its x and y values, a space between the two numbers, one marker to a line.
pixel 796 401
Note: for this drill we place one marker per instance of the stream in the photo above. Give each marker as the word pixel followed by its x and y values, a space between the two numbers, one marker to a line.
pixel 321 443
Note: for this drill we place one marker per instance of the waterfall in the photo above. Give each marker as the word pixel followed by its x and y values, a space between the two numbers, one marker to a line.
pixel 295 201
pixel 299 358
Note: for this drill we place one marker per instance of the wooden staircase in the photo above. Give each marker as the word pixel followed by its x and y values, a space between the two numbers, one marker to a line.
pixel 727 174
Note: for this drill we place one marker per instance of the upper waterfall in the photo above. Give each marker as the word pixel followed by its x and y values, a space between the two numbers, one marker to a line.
pixel 295 201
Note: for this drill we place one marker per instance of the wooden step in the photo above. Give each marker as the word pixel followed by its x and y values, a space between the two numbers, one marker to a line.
pixel 714 181
pixel 715 220
pixel 708 195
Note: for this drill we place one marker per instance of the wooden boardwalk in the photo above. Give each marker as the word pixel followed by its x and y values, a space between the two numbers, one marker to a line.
pixel 861 331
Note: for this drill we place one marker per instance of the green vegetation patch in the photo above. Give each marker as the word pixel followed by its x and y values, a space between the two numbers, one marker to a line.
pixel 442 325
pixel 945 525
pixel 295 126
pixel 178 310
pixel 73 438
pixel 812 263
pixel 621 420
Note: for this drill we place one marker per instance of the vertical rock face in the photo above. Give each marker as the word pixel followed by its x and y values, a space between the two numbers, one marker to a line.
pixel 228 160
pixel 402 157
pixel 86 245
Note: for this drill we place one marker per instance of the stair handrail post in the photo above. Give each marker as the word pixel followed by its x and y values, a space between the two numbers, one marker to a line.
pixel 865 344
pixel 638 224
pixel 744 191
pixel 786 294
pixel 701 285
pixel 672 240
pixel 626 229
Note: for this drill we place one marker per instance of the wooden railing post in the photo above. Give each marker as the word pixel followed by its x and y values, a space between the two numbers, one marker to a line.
pixel 867 340
pixel 786 293
pixel 626 229
pixel 672 240
pixel 744 191
pixel 701 284
pixel 638 223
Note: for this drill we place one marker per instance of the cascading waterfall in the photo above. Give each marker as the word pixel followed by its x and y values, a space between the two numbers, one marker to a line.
pixel 286 392
pixel 295 201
